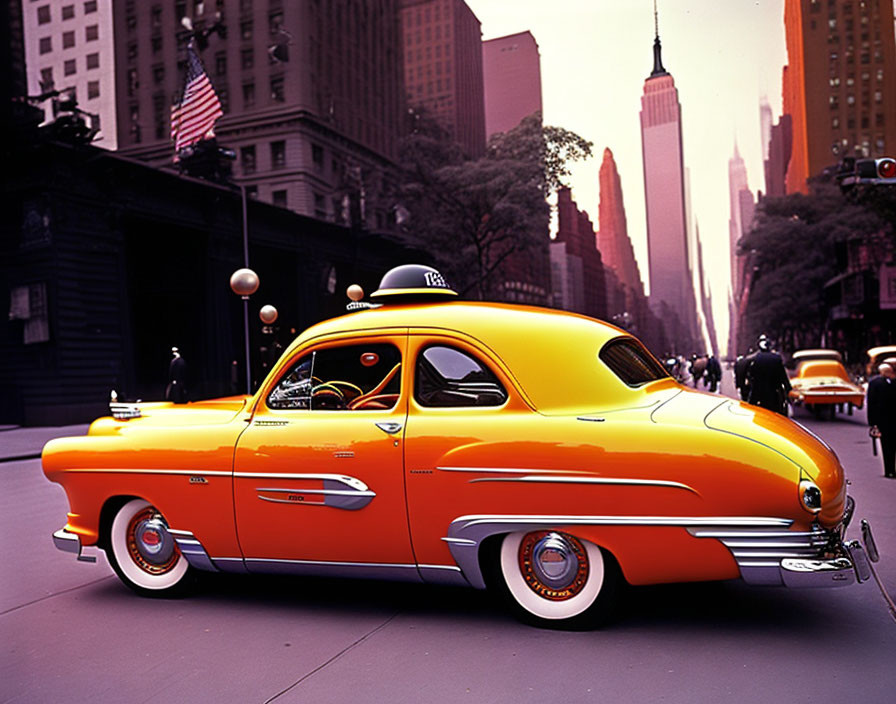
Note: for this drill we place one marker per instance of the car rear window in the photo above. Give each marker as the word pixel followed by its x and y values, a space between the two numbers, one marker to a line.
pixel 628 360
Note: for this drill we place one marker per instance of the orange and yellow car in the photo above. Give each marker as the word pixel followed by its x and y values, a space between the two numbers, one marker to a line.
pixel 823 383
pixel 539 453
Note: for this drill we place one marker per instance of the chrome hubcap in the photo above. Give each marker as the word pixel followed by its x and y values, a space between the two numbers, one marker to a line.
pixel 554 565
pixel 151 546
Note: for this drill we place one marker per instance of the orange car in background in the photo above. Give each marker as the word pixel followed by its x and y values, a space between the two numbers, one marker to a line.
pixel 823 384
pixel 539 453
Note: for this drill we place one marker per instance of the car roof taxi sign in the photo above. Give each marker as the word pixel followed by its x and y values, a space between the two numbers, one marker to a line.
pixel 412 281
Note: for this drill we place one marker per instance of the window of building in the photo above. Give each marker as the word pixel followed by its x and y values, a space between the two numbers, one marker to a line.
pixel 247 158
pixel 834 81
pixel 46 79
pixel 850 100
pixel 878 96
pixel 278 94
pixel 132 51
pixel 156 44
pixel 156 17
pixel 246 7
pixel 248 95
pixel 247 58
pixel 275 22
pixel 879 119
pixel 278 198
pixel 45 45
pixel 131 22
pixel 320 207
pixel 29 303
pixel 89 7
pixel 43 14
pixel 362 377
pixel 158 112
pixel 865 122
pixel 93 89
pixel 317 155
pixel 835 123
pixel 68 40
pixel 447 377
pixel 92 32
pixel 224 98
pixel 158 74
pixel 221 63
pixel 133 83
pixel 832 23
pixel 246 29
pixel 93 61
pixel 69 67
pixel 278 154
pixel 68 11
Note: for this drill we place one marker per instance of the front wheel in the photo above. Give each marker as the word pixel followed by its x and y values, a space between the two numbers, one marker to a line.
pixel 554 580
pixel 143 553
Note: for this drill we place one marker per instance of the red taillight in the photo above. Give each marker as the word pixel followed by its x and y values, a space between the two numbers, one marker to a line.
pixel 886 168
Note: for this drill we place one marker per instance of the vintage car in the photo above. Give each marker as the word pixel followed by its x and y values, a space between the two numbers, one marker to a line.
pixel 539 453
pixel 875 356
pixel 823 384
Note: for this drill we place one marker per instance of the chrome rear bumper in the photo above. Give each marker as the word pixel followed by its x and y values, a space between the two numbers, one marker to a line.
pixel 71 542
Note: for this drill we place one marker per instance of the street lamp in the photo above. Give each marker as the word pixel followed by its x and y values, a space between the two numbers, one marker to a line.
pixel 244 282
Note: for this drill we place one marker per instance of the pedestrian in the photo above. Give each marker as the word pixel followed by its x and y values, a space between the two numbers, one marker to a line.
pixel 881 398
pixel 177 378
pixel 698 368
pixel 740 373
pixel 713 373
pixel 767 379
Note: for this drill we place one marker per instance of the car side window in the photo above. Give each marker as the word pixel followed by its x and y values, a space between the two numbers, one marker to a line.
pixel 446 377
pixel 349 377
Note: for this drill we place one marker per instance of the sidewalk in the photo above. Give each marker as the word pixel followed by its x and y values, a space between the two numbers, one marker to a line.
pixel 18 443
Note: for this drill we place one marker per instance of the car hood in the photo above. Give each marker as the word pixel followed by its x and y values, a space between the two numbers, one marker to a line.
pixel 210 412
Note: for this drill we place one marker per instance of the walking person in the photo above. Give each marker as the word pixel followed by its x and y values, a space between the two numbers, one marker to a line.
pixel 713 373
pixel 177 378
pixel 767 379
pixel 881 398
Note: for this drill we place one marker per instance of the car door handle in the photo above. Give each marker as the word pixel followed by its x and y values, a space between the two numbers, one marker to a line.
pixel 390 428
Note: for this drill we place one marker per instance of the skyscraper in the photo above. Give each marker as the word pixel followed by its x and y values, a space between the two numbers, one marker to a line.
pixel 613 240
pixel 670 278
pixel 838 83
pixel 577 272
pixel 443 67
pixel 511 74
pixel 765 125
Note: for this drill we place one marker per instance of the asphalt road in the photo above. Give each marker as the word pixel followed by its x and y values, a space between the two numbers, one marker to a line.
pixel 71 632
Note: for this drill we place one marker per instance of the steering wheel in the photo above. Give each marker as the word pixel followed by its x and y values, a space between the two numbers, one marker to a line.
pixel 377 390
pixel 327 397
pixel 349 390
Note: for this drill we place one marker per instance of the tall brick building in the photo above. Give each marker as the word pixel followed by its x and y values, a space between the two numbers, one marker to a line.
pixel 443 67
pixel 312 93
pixel 838 83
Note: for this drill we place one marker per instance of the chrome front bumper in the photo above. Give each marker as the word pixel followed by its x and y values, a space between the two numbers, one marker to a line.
pixel 71 542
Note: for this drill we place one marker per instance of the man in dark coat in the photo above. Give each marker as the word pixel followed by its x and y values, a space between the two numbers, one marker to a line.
pixel 713 373
pixel 177 378
pixel 767 379
pixel 740 373
pixel 882 414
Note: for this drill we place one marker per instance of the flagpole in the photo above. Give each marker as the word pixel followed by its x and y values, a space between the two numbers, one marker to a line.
pixel 246 298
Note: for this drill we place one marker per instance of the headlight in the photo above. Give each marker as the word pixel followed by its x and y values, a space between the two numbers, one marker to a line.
pixel 810 495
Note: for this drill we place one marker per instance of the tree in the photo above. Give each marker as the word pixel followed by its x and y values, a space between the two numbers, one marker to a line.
pixel 474 215
pixel 796 247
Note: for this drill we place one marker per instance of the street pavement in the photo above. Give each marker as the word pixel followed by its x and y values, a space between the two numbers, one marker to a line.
pixel 72 632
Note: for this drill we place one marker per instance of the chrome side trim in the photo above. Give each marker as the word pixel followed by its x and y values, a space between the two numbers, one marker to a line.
pixel 339 491
pixel 465 534
pixel 587 480
pixel 350 482
pixel 760 554
pixel 505 470
pixel 323 568
pixel 181 472
pixel 192 550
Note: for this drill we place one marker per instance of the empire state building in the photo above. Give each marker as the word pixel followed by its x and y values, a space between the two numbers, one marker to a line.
pixel 667 247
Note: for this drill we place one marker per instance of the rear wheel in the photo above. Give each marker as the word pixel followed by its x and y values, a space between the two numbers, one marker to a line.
pixel 143 553
pixel 554 580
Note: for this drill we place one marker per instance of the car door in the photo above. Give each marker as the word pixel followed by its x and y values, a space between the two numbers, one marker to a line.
pixel 318 473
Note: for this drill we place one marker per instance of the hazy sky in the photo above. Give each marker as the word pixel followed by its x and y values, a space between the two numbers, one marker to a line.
pixel 595 55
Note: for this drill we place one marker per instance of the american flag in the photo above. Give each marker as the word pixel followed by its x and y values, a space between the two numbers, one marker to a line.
pixel 193 117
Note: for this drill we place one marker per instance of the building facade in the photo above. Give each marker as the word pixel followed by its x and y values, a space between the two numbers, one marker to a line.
pixel 69 47
pixel 838 83
pixel 577 272
pixel 671 286
pixel 312 94
pixel 442 42
pixel 511 74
